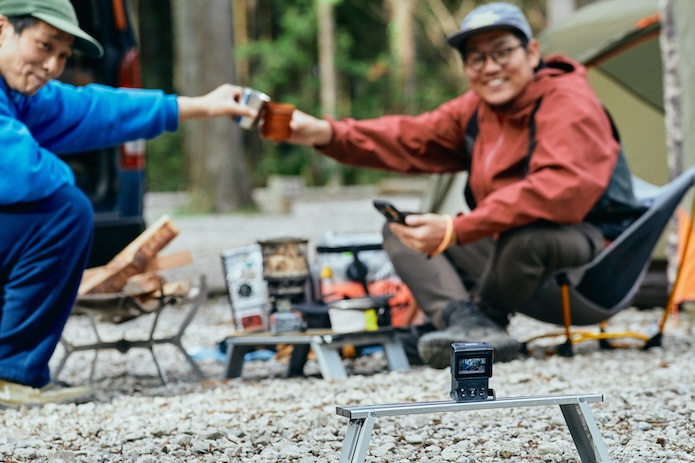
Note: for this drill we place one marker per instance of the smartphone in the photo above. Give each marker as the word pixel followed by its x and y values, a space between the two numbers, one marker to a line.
pixel 390 212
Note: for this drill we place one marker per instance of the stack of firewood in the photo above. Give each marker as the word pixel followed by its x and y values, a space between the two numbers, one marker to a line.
pixel 135 270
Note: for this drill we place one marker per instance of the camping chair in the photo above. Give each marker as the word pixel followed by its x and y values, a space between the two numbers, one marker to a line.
pixel 594 292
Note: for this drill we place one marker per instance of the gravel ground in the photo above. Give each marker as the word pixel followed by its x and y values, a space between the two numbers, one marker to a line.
pixel 648 414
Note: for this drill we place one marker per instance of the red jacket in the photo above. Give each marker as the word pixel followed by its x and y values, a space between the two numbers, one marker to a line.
pixel 570 169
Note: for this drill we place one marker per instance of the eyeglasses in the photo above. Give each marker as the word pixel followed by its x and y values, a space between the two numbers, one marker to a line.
pixel 476 60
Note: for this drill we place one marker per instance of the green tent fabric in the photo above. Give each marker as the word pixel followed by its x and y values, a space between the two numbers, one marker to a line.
pixel 620 38
pixel 618 41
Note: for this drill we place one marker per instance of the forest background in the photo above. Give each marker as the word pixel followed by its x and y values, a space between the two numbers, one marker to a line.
pixel 340 58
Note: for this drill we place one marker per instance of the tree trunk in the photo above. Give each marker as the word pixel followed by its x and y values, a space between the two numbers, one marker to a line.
pixel 321 165
pixel 673 90
pixel 219 179
pixel 402 38
pixel 326 46
pixel 241 35
pixel 673 87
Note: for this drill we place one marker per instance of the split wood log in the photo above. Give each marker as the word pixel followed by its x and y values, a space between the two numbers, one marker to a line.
pixel 169 261
pixel 161 262
pixel 175 288
pixel 134 259
pixel 143 283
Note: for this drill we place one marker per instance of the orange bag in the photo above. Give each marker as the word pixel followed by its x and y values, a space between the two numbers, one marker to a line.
pixel 404 309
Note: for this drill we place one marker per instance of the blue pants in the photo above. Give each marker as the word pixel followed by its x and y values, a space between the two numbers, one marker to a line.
pixel 44 247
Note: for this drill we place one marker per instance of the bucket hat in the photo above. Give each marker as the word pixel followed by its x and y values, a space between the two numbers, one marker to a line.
pixel 59 14
pixel 496 15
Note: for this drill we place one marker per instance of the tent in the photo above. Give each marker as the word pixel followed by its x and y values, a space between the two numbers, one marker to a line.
pixel 618 41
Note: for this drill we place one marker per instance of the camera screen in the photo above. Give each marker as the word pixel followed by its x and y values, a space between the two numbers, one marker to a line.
pixel 475 366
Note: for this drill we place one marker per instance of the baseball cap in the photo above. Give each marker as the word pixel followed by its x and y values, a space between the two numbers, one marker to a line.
pixel 496 15
pixel 59 14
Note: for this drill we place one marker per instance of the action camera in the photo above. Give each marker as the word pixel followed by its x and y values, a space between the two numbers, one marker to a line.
pixel 471 370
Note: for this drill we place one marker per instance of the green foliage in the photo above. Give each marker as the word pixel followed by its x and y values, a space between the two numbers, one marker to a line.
pixel 165 163
pixel 284 65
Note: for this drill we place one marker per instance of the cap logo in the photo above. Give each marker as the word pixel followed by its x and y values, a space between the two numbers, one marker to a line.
pixel 482 19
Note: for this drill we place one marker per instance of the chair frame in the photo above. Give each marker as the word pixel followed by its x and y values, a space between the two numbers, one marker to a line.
pixel 574 286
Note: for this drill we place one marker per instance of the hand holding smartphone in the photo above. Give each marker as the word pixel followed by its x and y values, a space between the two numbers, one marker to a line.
pixel 390 212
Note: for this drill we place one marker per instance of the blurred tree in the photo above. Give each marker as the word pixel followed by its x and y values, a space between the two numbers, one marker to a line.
pixel 240 15
pixel 219 177
pixel 438 21
pixel 328 80
pixel 402 45
pixel 326 51
pixel 165 167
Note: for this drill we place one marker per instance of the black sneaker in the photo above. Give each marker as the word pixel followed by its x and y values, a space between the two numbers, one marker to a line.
pixel 409 337
pixel 465 322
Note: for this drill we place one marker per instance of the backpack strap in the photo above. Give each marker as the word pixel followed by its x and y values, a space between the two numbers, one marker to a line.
pixel 472 130
pixel 471 134
pixel 531 135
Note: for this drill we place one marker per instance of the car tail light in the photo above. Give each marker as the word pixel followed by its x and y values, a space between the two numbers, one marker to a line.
pixel 129 72
pixel 132 154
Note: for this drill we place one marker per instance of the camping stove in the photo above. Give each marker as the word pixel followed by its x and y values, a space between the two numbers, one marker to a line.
pixel 286 270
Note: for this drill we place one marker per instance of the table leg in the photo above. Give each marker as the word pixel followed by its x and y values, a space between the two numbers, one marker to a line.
pixel 357 439
pixel 298 360
pixel 395 354
pixel 330 364
pixel 235 359
pixel 585 432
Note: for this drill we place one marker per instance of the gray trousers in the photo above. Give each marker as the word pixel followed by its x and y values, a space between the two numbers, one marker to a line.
pixel 497 274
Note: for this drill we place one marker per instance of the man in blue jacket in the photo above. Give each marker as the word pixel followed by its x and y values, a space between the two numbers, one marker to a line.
pixel 46 221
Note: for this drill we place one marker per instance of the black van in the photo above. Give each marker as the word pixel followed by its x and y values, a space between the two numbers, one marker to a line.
pixel 113 178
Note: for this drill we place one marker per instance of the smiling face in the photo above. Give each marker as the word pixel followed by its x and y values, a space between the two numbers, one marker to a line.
pixel 498 83
pixel 30 59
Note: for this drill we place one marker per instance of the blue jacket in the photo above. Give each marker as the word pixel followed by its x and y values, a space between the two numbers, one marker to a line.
pixel 62 119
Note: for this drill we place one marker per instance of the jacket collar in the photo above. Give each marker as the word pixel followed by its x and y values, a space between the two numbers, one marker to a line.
pixel 521 108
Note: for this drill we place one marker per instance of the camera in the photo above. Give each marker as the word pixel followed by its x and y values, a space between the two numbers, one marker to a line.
pixel 471 370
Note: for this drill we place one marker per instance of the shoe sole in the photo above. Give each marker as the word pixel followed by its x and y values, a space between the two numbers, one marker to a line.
pixel 436 352
pixel 8 406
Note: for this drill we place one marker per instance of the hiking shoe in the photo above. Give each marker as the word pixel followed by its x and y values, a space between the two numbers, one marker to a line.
pixel 409 337
pixel 465 322
pixel 14 395
pixel 62 393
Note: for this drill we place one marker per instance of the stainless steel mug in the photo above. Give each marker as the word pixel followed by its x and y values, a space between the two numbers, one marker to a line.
pixel 254 99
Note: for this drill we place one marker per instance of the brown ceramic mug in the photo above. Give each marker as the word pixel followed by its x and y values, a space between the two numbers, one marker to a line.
pixel 276 120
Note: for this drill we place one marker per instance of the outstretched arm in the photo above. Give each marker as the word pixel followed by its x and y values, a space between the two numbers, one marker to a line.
pixel 221 102
pixel 309 130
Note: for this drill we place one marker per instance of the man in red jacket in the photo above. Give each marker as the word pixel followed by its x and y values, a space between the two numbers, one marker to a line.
pixel 542 158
